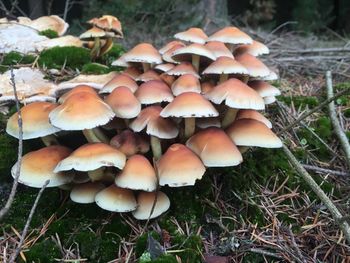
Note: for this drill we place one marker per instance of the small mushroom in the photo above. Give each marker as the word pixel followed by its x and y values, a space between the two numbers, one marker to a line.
pixel 145 201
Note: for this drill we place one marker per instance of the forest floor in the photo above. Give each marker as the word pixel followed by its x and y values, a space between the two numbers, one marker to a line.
pixel 259 211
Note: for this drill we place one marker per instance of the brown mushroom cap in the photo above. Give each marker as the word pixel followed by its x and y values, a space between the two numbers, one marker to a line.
pixel 207 87
pixel 186 83
pixel 116 199
pixel 154 91
pixel 170 45
pixel 35 121
pixel 156 125
pixel 253 114
pixel 144 53
pixel 81 111
pixel 193 34
pixel 249 132
pixel 255 49
pixel 92 156
pixel 138 174
pixel 188 105
pixel 130 143
pixel 225 65
pixel 124 103
pixel 164 67
pixel 214 148
pixel 145 202
pixel 121 62
pixel 108 23
pixel 254 66
pixel 204 123
pixel 219 49
pixel 179 166
pixel 185 53
pixel 118 81
pixel 77 89
pixel 264 89
pixel 132 72
pixel 38 166
pixel 92 33
pixel 85 193
pixel 236 94
pixel 231 35
pixel 167 56
pixel 148 76
pixel 182 69
pixel 53 22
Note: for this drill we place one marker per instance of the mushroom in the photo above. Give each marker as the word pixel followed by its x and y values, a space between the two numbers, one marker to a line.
pixel 83 111
pixel 182 69
pixel 214 148
pixel 156 126
pixel 143 53
pixel 249 132
pixel 116 199
pixel 255 49
pixel 266 90
pixel 186 83
pixel 93 157
pixel 189 105
pixel 236 95
pixel 179 166
pixel 138 174
pixel 120 80
pixel 85 193
pixel 193 34
pixel 231 36
pixel 154 92
pixel 35 123
pixel 225 66
pixel 148 75
pixel 255 67
pixel 170 45
pixel 95 34
pixel 75 90
pixel 38 166
pixel 167 56
pixel 219 49
pixel 145 201
pixel 204 123
pixel 194 53
pixel 255 115
pixel 130 143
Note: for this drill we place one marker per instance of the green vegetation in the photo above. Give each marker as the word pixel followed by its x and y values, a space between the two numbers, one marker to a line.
pixel 49 33
pixel 14 58
pixel 71 57
pixel 95 68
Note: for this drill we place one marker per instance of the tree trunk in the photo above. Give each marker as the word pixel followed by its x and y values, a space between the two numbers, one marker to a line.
pixel 36 8
pixel 216 14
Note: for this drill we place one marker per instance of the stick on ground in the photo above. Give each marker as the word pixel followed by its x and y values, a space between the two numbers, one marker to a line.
pixel 345 227
pixel 25 229
pixel 11 197
pixel 335 122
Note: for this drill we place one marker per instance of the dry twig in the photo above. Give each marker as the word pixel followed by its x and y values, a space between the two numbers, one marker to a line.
pixel 335 122
pixel 11 197
pixel 25 229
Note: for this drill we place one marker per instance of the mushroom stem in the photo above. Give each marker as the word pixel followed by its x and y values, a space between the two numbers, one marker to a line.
pixel 95 135
pixel 245 79
pixel 190 126
pixel 95 51
pixel 229 117
pixel 146 66
pixel 127 122
pixel 49 140
pixel 243 149
pixel 195 61
pixel 96 175
pixel 223 77
pixel 156 147
pixel 230 47
pixel 106 47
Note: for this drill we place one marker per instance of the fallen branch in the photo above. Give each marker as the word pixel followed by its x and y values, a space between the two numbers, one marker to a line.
pixel 315 50
pixel 345 227
pixel 310 112
pixel 335 122
pixel 25 229
pixel 11 197
pixel 325 171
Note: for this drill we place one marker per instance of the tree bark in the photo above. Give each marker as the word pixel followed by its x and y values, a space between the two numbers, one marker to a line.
pixel 36 8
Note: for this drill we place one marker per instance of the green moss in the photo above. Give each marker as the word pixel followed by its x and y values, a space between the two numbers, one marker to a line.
pixel 8 156
pixel 167 258
pixel 49 33
pixel 71 57
pixel 14 58
pixel 3 69
pixel 95 68
pixel 43 252
pixel 115 52
pixel 141 243
pixel 190 247
pixel 300 101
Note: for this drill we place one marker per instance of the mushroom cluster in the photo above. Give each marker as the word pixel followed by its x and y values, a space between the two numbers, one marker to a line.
pixel 168 116
pixel 99 38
